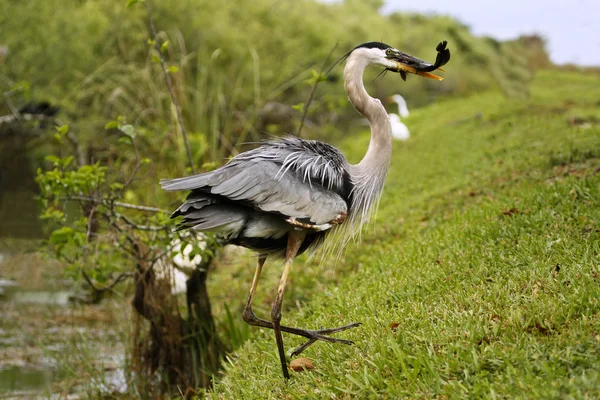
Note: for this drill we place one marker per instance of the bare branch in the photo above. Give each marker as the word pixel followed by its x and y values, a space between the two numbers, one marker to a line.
pixel 107 202
pixel 170 86
pixel 90 225
pixel 142 227
pixel 105 288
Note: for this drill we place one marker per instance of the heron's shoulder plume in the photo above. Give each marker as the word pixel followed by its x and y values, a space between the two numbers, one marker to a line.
pixel 311 160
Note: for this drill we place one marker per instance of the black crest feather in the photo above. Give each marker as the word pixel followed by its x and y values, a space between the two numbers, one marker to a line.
pixel 372 45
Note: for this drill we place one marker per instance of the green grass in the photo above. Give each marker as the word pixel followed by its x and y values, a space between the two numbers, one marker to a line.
pixel 482 277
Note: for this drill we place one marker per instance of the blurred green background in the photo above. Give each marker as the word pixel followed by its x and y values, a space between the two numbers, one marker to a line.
pixel 240 68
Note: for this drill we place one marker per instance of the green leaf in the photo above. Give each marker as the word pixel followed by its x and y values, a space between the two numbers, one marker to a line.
pixel 63 129
pixel 129 130
pixel 52 214
pixel 299 107
pixel 164 46
pixel 130 196
pixel 111 125
pixel 315 77
pixel 62 235
pixel 67 160
pixel 53 159
pixel 155 59
pixel 116 186
pixel 173 68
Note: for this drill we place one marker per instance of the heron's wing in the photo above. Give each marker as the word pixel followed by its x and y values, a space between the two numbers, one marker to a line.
pixel 265 185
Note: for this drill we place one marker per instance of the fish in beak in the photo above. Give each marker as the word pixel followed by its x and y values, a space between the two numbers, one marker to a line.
pixel 406 63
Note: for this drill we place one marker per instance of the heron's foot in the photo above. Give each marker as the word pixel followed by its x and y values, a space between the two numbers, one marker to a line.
pixel 323 334
pixel 312 335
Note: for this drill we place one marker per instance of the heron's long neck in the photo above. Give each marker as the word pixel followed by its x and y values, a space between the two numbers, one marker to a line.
pixel 368 176
pixel 379 152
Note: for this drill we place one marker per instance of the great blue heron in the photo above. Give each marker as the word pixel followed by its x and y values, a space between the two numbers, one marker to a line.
pixel 399 130
pixel 289 194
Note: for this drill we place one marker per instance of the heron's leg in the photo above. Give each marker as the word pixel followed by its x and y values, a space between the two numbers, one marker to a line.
pixel 311 335
pixel 248 314
pixel 295 239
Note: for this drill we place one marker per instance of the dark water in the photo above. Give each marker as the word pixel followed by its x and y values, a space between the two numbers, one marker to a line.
pixel 19 224
pixel 19 220
pixel 18 207
pixel 28 341
pixel 21 378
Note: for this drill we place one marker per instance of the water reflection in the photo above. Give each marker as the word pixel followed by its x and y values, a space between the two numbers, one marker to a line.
pixel 59 298
pixel 6 285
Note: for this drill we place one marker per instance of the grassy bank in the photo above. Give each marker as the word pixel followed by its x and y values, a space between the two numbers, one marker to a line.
pixel 482 277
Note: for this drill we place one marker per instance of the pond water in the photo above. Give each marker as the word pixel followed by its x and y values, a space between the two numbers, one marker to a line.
pixel 43 338
pixel 49 346
pixel 58 298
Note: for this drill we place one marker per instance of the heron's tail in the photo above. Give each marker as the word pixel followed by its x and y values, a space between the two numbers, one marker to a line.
pixel 219 218
pixel 204 212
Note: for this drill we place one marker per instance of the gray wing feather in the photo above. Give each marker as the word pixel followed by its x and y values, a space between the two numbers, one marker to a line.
pixel 212 217
pixel 194 203
pixel 220 218
pixel 186 183
pixel 296 183
pixel 256 182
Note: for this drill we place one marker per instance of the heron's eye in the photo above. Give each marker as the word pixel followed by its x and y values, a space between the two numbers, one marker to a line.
pixel 389 52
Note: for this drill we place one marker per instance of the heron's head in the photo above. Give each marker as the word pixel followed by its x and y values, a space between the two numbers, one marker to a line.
pixel 377 53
